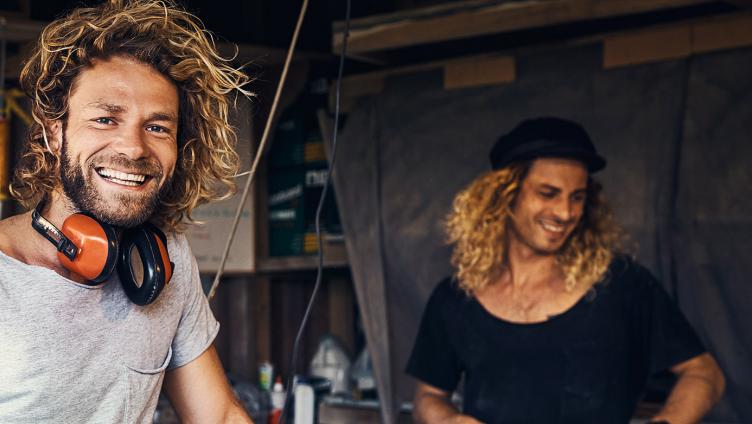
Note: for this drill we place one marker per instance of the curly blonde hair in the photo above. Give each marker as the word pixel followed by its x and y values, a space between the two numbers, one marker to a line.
pixel 479 221
pixel 176 44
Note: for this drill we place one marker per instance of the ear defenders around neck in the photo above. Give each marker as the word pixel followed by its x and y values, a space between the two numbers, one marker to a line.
pixel 90 248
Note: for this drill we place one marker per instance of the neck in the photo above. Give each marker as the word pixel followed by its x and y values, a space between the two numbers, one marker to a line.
pixel 526 266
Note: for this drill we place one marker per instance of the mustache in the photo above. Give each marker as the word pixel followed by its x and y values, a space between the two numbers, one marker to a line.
pixel 559 221
pixel 139 166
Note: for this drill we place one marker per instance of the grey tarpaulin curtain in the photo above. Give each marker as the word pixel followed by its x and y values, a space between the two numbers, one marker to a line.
pixel 675 134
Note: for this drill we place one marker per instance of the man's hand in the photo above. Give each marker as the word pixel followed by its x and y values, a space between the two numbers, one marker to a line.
pixel 199 392
pixel 699 386
pixel 433 406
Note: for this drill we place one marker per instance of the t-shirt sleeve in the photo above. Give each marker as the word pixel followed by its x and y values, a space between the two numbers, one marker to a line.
pixel 433 359
pixel 197 327
pixel 668 338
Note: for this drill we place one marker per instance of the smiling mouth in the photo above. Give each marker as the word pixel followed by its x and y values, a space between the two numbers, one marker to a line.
pixel 553 228
pixel 123 178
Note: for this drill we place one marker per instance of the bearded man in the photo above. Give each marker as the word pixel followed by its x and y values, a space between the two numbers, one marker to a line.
pixel 100 297
pixel 543 319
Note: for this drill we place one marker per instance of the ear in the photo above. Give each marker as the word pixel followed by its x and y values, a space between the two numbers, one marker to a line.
pixel 53 138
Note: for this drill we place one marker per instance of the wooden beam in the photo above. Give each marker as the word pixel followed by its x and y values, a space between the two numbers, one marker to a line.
pixel 489 17
pixel 464 72
pixel 491 71
pixel 20 30
pixel 722 34
pixel 647 46
pixel 677 41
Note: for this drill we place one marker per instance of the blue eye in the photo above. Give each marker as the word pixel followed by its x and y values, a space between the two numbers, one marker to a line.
pixel 104 121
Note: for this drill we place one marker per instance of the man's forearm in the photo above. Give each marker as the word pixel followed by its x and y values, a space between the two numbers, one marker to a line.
pixel 432 409
pixel 693 396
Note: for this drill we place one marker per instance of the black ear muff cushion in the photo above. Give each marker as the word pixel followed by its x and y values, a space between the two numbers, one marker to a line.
pixel 161 240
pixel 155 271
pixel 97 247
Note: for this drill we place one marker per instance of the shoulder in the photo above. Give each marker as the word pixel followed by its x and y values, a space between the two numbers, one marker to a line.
pixel 629 277
pixel 446 295
pixel 448 288
pixel 179 250
pixel 178 242
pixel 14 235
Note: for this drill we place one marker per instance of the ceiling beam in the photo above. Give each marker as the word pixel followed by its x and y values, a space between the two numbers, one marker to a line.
pixel 483 17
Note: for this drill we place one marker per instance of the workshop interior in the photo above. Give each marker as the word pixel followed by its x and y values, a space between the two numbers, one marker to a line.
pixel 415 93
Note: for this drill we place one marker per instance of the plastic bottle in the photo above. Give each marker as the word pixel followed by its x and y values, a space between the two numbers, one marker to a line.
pixel 278 401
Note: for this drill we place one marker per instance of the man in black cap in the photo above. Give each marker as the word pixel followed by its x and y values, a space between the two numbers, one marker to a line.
pixel 545 321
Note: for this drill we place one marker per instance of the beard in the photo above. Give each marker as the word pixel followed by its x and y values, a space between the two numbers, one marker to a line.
pixel 125 209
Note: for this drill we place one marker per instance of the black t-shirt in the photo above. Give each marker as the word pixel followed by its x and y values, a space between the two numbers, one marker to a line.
pixel 588 365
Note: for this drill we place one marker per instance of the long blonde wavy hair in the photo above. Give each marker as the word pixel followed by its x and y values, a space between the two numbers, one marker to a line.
pixel 176 44
pixel 479 222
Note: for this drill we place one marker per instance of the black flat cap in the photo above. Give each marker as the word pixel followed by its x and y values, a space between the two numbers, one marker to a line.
pixel 546 137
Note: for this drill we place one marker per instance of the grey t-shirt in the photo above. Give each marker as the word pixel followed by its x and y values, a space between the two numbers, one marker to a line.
pixel 72 353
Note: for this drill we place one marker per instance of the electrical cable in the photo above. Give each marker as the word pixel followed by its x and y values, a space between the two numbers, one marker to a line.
pixel 257 159
pixel 320 267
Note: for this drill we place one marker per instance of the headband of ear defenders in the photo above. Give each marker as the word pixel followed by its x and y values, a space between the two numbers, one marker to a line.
pixel 51 233
pixel 85 245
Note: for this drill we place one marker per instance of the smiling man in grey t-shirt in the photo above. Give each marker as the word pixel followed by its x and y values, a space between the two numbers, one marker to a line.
pixel 100 299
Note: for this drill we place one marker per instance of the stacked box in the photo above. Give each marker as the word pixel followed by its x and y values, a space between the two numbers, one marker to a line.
pixel 297 173
pixel 294 194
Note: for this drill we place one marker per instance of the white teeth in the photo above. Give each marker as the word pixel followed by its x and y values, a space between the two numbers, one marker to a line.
pixel 111 173
pixel 553 228
pixel 122 177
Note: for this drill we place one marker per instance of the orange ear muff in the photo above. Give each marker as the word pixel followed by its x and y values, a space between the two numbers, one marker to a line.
pixel 144 281
pixel 97 247
pixel 90 248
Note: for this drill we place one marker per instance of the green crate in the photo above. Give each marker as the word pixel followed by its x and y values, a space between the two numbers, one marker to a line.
pixel 294 194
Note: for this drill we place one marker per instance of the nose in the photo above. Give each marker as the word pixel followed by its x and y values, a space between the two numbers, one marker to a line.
pixel 564 209
pixel 131 142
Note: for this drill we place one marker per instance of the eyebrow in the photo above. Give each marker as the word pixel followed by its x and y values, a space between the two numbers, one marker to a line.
pixel 162 116
pixel 118 109
pixel 109 107
pixel 557 189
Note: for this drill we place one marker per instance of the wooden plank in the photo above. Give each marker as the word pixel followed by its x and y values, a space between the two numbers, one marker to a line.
pixel 722 34
pixel 677 41
pixel 358 86
pixel 342 312
pixel 240 327
pixel 289 299
pixel 493 19
pixel 480 72
pixel 647 46
pixel 262 318
pixel 335 256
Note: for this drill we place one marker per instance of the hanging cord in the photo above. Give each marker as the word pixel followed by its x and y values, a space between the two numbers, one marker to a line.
pixel 257 159
pixel 320 268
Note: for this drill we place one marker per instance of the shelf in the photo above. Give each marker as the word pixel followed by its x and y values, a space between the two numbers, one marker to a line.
pixel 334 257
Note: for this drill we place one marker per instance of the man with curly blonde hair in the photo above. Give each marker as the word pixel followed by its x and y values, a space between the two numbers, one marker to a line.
pixel 542 318
pixel 100 297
